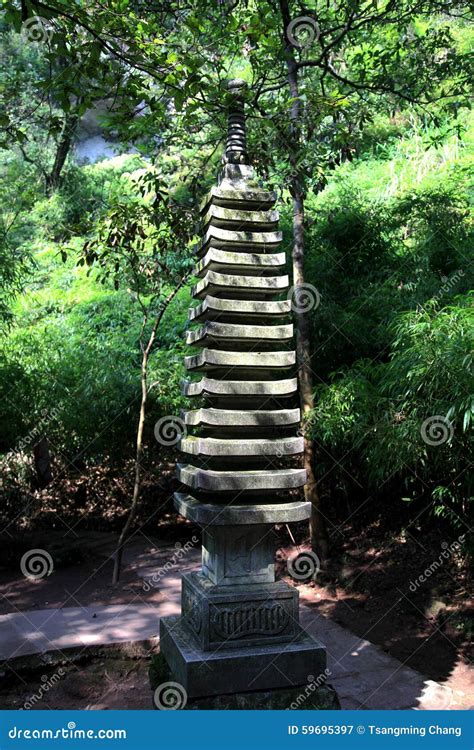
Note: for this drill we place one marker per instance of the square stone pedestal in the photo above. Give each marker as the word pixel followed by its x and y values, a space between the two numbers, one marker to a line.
pixel 221 616
pixel 236 670
pixel 239 628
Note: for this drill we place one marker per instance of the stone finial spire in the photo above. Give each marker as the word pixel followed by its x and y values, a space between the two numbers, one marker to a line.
pixel 236 144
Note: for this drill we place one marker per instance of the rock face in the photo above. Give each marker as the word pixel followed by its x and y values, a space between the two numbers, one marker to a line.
pixel 239 627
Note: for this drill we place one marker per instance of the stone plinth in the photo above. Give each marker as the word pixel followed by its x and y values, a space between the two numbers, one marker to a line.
pixel 315 695
pixel 240 469
pixel 235 670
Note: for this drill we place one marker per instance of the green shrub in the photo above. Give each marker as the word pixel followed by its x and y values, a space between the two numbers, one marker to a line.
pixel 391 336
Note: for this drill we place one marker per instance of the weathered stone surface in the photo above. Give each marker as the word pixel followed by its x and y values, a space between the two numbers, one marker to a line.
pixel 257 612
pixel 227 195
pixel 209 359
pixel 234 218
pixel 239 481
pixel 235 153
pixel 230 332
pixel 228 670
pixel 200 446
pixel 252 264
pixel 313 696
pixel 229 239
pixel 214 308
pixel 238 176
pixel 235 285
pixel 234 557
pixel 241 419
pixel 310 697
pixel 237 388
pixel 212 514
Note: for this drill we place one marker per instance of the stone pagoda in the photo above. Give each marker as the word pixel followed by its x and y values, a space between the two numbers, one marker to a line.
pixel 239 628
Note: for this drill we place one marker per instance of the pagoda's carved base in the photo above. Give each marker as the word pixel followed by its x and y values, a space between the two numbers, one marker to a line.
pixel 226 670
pixel 239 628
pixel 238 616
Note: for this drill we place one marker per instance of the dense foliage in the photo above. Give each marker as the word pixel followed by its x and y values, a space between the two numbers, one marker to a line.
pixel 389 229
pixel 391 256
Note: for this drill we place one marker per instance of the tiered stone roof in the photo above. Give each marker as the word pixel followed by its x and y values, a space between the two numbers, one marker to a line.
pixel 242 342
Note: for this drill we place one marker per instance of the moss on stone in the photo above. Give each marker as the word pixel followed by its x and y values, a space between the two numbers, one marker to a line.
pixel 307 697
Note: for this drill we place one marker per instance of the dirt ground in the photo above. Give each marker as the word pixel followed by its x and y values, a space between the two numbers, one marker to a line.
pixel 372 587
pixel 98 684
pixel 83 578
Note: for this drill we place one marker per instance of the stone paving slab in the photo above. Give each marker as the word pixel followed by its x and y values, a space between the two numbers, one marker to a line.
pixel 44 630
pixel 364 676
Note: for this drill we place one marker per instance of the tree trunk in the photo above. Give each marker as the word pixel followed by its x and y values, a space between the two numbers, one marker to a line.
pixel 141 425
pixel 65 141
pixel 42 459
pixel 319 541
pixel 137 482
